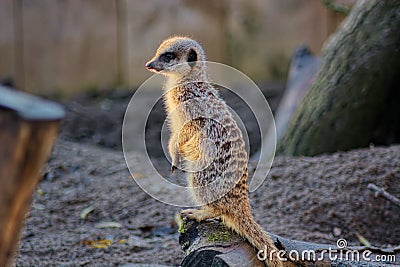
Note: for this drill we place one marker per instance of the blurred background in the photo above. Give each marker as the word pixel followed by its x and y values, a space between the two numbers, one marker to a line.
pixel 90 55
pixel 59 48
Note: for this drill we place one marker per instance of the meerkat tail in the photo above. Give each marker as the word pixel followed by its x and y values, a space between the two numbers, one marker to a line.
pixel 255 234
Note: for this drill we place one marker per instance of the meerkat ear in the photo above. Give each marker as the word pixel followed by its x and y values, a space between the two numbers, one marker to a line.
pixel 192 57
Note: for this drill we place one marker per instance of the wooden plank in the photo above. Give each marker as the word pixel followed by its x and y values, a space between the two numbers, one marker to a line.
pixel 26 139
pixel 69 45
pixel 29 107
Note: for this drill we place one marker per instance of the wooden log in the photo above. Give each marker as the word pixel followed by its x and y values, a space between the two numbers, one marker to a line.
pixel 29 126
pixel 211 244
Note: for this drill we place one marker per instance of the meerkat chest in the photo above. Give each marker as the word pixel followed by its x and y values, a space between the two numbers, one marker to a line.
pixel 175 116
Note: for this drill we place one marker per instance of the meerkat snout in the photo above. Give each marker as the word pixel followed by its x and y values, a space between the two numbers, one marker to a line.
pixel 176 56
pixel 162 62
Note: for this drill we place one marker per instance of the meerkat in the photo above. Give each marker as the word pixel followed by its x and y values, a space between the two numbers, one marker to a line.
pixel 207 142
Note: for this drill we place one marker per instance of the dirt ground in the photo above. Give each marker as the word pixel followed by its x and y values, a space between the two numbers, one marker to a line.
pixel 86 187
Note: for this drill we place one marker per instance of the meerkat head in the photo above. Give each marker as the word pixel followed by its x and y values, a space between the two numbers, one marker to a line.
pixel 178 56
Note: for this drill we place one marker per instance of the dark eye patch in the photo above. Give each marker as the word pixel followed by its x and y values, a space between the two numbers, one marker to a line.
pixel 192 56
pixel 167 57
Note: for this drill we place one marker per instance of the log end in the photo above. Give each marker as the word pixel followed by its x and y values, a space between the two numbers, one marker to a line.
pixel 29 107
pixel 210 243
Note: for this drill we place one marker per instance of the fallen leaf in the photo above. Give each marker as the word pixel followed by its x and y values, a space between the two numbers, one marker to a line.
pixel 137 175
pixel 363 240
pixel 100 246
pixel 40 192
pixel 102 243
pixel 86 211
pixel 108 225
pixel 38 206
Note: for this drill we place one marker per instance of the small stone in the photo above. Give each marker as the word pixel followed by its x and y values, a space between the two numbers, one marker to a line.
pixel 337 231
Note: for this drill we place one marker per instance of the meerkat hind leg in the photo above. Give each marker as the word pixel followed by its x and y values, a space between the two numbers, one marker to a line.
pixel 199 214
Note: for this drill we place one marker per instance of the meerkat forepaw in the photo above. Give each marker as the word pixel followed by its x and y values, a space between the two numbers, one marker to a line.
pixel 197 215
pixel 173 168
pixel 189 213
pixel 192 214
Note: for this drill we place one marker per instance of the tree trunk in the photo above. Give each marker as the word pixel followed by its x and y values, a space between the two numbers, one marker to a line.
pixel 354 99
pixel 28 130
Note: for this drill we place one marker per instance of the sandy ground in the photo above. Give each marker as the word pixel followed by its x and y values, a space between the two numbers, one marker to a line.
pixel 316 199
pixel 303 198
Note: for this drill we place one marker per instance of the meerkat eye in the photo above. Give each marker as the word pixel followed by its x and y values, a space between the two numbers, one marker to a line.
pixel 167 57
